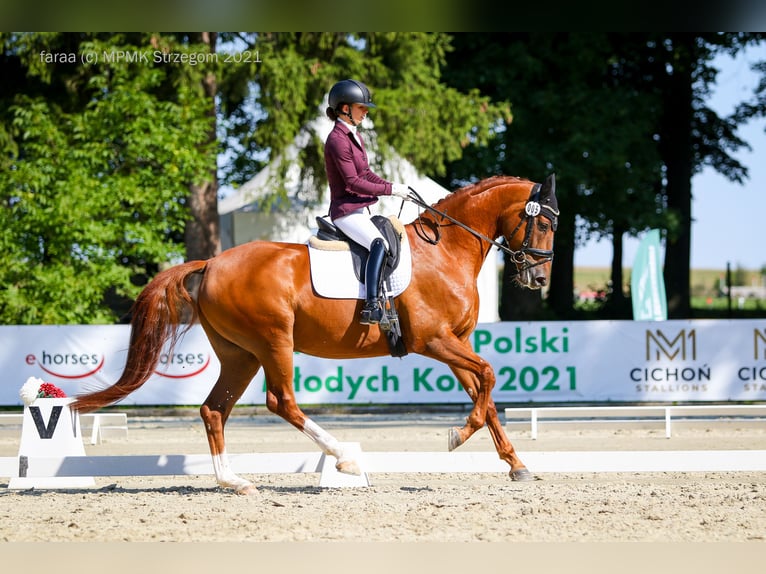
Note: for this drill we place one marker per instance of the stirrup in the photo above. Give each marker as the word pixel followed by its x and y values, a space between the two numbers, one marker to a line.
pixel 372 313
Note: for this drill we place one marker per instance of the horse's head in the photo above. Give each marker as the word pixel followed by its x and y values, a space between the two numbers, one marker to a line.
pixel 526 214
pixel 529 234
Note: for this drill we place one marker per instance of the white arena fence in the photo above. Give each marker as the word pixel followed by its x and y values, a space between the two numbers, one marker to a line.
pixel 45 471
pixel 646 416
pixel 37 470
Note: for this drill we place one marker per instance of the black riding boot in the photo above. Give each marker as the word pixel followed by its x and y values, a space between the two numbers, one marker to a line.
pixel 372 312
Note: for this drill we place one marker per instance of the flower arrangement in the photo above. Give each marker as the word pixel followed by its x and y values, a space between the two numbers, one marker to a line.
pixel 36 388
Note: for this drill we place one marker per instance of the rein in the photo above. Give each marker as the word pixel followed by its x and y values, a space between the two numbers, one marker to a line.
pixel 532 210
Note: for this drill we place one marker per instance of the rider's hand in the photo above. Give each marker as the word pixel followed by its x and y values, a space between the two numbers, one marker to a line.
pixel 400 190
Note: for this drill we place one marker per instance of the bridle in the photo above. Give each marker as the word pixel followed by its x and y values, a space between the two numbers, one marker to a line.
pixel 532 210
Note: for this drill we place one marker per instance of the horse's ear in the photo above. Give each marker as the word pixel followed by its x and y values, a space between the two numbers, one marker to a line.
pixel 549 186
pixel 548 201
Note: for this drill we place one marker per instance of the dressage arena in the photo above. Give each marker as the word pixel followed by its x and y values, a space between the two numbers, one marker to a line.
pixel 403 507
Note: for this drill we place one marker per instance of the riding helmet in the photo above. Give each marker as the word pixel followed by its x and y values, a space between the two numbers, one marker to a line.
pixel 349 92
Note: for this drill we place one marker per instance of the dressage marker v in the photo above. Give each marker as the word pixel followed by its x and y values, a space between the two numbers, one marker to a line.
pixel 257 307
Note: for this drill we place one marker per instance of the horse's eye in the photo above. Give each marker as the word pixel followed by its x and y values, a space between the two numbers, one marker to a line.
pixel 542 226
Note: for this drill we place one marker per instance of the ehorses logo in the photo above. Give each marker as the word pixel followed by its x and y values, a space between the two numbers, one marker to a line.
pixel 182 365
pixel 67 365
pixel 72 366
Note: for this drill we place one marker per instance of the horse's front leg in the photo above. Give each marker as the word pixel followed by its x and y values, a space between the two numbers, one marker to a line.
pixel 475 375
pixel 519 472
pixel 472 385
pixel 505 450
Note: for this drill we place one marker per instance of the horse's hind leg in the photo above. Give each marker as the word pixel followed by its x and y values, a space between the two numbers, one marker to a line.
pixel 280 399
pixel 238 367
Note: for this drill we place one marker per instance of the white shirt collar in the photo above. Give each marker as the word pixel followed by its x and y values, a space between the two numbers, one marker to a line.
pixel 352 129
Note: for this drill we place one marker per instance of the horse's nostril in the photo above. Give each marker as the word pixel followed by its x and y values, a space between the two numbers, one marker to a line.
pixel 541 280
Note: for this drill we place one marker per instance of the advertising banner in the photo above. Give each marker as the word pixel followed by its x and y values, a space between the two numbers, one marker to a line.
pixel 586 361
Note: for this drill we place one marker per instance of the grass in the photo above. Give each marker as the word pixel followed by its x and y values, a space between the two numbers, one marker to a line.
pixel 704 282
pixel 707 300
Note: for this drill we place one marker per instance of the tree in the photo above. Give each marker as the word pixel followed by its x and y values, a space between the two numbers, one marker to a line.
pixel 97 161
pixel 622 118
pixel 109 149
pixel 202 234
pixel 677 68
pixel 570 117
pixel 418 115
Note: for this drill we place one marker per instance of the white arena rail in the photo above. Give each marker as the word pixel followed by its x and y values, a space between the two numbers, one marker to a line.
pixel 644 415
pixel 36 470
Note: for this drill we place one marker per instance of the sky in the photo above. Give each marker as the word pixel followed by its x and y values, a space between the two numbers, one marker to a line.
pixel 729 219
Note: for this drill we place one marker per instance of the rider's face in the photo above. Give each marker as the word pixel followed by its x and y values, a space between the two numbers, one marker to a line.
pixel 358 112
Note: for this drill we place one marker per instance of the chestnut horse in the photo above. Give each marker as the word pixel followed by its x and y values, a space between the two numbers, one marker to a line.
pixel 257 307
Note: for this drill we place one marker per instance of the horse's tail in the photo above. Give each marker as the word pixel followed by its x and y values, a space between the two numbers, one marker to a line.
pixel 163 305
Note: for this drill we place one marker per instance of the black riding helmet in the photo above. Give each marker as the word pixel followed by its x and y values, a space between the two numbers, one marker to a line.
pixel 349 92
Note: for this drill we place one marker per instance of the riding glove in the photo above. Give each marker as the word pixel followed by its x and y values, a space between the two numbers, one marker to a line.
pixel 400 190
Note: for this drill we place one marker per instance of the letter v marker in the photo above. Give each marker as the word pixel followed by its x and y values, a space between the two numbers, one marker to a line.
pixel 46 431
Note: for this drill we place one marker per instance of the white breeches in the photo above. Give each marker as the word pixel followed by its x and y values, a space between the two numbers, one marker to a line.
pixel 358 226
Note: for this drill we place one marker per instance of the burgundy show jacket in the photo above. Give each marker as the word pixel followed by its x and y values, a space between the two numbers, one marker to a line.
pixel 352 183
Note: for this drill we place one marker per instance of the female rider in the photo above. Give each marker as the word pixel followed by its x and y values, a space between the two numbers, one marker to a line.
pixel 354 187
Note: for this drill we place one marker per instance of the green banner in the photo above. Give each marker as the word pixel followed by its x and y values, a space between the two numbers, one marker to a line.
pixel 647 285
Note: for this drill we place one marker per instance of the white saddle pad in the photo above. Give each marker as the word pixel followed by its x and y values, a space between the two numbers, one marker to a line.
pixel 332 272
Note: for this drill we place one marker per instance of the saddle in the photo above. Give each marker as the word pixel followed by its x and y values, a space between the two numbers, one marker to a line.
pixel 330 238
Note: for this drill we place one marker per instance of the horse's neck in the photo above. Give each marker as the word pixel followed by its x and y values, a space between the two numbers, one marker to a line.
pixel 462 247
pixel 479 212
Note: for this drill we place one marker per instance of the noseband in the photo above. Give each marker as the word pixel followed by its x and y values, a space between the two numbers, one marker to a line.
pixel 532 210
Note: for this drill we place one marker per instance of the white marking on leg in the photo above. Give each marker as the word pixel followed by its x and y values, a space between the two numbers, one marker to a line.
pixel 326 442
pixel 225 476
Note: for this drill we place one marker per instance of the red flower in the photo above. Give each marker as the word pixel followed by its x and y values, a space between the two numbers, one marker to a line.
pixel 51 391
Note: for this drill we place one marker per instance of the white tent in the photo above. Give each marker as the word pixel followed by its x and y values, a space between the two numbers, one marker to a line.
pixel 243 220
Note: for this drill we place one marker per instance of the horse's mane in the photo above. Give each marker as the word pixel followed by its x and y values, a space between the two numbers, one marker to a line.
pixel 481 186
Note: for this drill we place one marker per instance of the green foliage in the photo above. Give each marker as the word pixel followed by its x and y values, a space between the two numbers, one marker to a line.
pixel 621 118
pixel 97 155
pixel 422 118
pixel 575 114
pixel 98 163
pixel 418 115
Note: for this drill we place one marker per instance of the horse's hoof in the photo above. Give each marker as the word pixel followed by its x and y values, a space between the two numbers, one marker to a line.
pixel 454 439
pixel 246 489
pixel 522 475
pixel 348 467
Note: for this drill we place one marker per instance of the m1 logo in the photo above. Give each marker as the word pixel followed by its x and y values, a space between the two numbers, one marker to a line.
pixel 759 344
pixel 659 345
